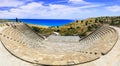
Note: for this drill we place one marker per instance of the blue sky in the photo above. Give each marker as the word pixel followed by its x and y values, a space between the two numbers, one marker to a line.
pixel 58 9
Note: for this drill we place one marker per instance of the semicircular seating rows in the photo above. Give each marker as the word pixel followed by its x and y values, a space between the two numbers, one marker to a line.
pixel 25 44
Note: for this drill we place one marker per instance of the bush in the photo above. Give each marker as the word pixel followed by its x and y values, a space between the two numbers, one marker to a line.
pixel 83 34
pixel 36 29
pixel 90 28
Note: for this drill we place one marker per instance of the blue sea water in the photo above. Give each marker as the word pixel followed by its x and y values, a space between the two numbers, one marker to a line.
pixel 46 22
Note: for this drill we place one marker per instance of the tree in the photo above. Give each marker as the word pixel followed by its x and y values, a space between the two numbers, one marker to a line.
pixel 77 21
pixel 57 26
pixel 112 22
pixel 81 21
pixel 17 20
pixel 86 23
pixel 78 27
pixel 90 28
pixel 83 34
pixel 58 30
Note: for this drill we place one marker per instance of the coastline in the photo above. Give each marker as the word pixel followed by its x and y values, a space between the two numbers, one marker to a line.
pixel 46 22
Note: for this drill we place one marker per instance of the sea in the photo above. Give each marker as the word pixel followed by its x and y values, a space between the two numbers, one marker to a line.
pixel 46 22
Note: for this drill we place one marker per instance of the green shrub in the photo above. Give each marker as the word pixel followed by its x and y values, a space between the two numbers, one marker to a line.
pixel 36 29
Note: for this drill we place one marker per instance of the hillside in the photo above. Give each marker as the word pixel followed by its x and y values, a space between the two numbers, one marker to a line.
pixel 3 20
pixel 81 27
pixel 39 26
pixel 78 27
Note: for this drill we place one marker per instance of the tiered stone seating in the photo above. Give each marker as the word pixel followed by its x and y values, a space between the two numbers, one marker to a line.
pixel 23 43
pixel 28 32
pixel 63 38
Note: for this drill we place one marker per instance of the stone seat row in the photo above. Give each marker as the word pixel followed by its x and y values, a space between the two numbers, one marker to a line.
pixel 98 34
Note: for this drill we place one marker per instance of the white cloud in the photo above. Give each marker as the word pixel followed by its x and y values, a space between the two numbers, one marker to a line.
pixel 114 8
pixel 10 3
pixel 52 11
pixel 91 6
pixel 32 5
pixel 78 2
